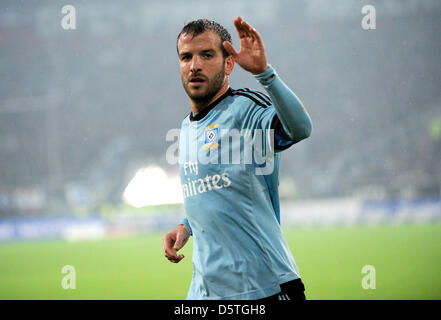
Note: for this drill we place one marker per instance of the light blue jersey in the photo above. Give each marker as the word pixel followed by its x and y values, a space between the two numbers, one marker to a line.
pixel 232 208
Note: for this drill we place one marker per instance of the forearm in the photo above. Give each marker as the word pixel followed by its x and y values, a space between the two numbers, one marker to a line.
pixel 292 114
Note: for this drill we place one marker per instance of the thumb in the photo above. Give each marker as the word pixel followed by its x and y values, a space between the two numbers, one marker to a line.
pixel 178 243
pixel 230 49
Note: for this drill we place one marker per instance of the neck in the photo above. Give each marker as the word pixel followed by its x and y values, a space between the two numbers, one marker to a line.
pixel 198 107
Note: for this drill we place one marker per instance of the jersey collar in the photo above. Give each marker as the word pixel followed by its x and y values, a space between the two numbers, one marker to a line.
pixel 200 115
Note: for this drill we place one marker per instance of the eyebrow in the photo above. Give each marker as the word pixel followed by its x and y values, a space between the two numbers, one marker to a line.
pixel 202 51
pixel 208 50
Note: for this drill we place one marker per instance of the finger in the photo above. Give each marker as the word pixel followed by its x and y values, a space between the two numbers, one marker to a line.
pixel 176 259
pixel 230 49
pixel 237 23
pixel 178 242
pixel 246 30
pixel 257 35
pixel 252 32
pixel 169 251
pixel 240 27
pixel 246 26
pixel 181 238
pixel 172 260
pixel 167 243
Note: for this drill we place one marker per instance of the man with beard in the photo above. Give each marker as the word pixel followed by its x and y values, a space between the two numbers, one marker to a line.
pixel 232 209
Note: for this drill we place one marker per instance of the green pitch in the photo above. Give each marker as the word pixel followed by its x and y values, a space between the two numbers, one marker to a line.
pixel 407 262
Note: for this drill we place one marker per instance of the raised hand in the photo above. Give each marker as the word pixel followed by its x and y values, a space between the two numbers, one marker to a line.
pixel 252 56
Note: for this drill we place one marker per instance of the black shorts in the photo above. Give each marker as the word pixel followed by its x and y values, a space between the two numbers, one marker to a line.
pixel 291 290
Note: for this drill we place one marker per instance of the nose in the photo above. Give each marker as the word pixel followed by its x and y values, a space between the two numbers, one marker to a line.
pixel 195 64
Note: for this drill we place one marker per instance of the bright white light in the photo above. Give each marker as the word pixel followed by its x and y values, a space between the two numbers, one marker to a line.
pixel 152 186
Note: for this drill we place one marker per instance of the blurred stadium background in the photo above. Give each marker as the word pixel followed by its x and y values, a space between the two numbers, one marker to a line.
pixel 84 114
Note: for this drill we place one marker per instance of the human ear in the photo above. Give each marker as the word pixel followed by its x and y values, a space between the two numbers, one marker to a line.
pixel 229 65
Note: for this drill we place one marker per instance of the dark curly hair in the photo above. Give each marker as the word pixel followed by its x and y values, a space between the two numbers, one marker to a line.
pixel 199 26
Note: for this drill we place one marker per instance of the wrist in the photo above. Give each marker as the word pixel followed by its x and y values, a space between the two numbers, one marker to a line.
pixel 259 71
pixel 267 76
pixel 185 227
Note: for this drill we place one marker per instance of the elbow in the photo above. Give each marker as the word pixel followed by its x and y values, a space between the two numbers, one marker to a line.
pixel 298 129
pixel 306 130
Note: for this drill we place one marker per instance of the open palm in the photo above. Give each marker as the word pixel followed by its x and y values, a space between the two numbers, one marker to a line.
pixel 252 56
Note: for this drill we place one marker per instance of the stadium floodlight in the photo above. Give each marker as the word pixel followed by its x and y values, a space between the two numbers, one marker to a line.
pixel 152 186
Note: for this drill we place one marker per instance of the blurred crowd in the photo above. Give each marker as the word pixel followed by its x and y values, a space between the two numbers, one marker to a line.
pixel 81 110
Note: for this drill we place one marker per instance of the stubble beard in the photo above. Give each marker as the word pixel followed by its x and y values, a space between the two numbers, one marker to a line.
pixel 214 85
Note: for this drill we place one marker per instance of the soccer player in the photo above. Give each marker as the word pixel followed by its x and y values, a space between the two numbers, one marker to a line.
pixel 232 208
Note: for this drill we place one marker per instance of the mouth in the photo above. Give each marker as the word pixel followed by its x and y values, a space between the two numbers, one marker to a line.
pixel 196 81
